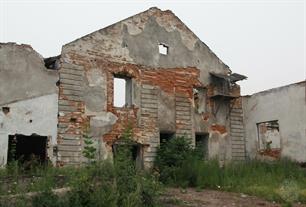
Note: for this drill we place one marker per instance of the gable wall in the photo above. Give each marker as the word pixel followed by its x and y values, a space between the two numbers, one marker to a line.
pixel 132 46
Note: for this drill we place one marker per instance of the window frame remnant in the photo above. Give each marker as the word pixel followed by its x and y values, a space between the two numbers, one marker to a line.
pixel 128 89
pixel 163 49
pixel 199 99
pixel 224 84
pixel 268 130
pixel 221 85
pixel 196 98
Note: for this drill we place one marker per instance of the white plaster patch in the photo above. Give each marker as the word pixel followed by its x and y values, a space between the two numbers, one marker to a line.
pixel 37 115
pixel 103 119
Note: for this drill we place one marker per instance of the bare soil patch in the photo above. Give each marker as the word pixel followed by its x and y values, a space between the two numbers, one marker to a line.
pixel 175 197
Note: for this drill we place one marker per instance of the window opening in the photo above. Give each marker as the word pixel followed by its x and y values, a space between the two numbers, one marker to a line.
pixel 122 91
pixel 268 135
pixel 165 137
pixel 6 110
pixel 163 49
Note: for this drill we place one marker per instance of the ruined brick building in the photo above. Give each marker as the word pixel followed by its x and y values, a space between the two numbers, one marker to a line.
pixel 174 86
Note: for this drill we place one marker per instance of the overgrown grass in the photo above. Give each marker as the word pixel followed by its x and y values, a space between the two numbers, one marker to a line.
pixel 119 183
pixel 98 184
pixel 281 181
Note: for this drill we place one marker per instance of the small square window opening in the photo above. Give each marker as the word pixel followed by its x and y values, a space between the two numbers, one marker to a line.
pixel 163 49
pixel 165 137
pixel 6 110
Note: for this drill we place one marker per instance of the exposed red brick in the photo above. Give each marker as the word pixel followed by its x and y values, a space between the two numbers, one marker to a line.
pixel 174 81
pixel 274 153
pixel 218 128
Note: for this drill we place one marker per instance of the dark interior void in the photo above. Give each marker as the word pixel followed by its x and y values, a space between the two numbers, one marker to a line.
pixel 165 136
pixel 137 156
pixel 136 152
pixel 201 144
pixel 27 148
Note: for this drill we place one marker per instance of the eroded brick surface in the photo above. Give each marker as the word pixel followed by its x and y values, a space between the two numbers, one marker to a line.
pixel 88 68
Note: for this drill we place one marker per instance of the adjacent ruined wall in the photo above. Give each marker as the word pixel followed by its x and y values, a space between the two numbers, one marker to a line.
pixel 287 105
pixel 162 86
pixel 30 92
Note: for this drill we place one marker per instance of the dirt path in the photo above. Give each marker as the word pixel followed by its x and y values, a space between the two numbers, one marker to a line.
pixel 191 198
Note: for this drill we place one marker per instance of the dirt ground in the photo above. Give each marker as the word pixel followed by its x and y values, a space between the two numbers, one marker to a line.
pixel 191 198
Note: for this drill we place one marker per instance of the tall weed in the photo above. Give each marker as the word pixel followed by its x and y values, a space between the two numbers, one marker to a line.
pixel 180 165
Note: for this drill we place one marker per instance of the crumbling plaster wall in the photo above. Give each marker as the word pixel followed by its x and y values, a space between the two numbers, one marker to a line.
pixel 135 40
pixel 23 74
pixel 31 94
pixel 287 105
pixel 123 47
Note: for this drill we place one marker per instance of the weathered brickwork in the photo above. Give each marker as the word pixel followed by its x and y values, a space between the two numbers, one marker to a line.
pixel 177 82
pixel 237 130
pixel 142 118
pixel 71 119
pixel 162 85
pixel 183 89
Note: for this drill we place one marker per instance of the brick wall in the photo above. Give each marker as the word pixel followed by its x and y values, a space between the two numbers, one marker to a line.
pixel 142 118
pixel 71 119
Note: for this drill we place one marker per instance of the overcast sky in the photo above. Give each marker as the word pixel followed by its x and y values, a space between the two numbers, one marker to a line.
pixel 262 39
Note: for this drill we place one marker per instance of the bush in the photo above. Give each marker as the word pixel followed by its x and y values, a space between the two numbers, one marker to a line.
pixel 135 188
pixel 47 199
pixel 170 158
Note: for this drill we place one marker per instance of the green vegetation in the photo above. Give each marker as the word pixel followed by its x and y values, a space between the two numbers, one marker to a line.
pixel 96 184
pixel 89 151
pixel 281 181
pixel 120 183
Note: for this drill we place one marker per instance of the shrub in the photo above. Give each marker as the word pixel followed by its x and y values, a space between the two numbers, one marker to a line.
pixel 47 199
pixel 93 186
pixel 135 188
pixel 289 191
pixel 89 151
pixel 170 157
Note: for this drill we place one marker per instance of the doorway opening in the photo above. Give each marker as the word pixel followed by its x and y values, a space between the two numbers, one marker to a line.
pixel 201 145
pixel 135 151
pixel 27 148
pixel 137 155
